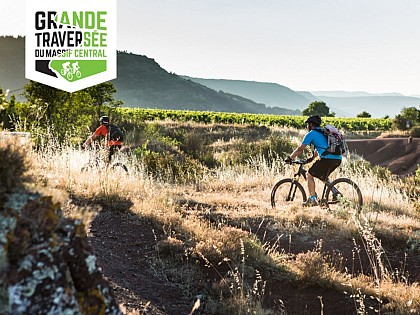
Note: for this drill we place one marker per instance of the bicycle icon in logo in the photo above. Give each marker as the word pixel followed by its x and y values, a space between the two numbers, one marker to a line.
pixel 69 72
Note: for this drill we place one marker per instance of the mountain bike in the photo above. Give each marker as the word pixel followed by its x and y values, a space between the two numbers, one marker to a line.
pixel 70 71
pixel 98 161
pixel 340 194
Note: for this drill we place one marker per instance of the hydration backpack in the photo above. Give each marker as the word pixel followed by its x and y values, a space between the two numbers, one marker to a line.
pixel 115 133
pixel 336 142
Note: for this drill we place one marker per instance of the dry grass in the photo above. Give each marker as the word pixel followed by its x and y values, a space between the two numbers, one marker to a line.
pixel 218 219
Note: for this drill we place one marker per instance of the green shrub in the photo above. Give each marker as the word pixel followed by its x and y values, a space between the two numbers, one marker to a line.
pixel 282 146
pixel 13 165
pixel 363 167
pixel 269 148
pixel 194 144
pixel 409 116
pixel 382 172
pixel 415 132
pixel 169 164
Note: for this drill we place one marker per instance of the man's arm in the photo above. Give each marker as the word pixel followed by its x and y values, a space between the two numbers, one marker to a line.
pixel 101 130
pixel 89 140
pixel 299 150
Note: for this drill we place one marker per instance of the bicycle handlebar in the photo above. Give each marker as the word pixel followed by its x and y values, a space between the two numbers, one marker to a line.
pixel 300 162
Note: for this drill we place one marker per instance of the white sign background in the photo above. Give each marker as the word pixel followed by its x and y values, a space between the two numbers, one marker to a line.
pixel 31 7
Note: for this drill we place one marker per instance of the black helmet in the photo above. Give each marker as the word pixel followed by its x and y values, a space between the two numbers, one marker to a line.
pixel 104 120
pixel 314 119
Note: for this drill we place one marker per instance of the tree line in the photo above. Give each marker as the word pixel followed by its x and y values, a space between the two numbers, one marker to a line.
pixel 50 111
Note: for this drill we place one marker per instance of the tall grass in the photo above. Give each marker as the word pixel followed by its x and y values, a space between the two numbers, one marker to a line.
pixel 212 219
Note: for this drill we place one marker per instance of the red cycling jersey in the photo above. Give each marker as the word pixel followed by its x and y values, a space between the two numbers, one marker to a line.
pixel 103 131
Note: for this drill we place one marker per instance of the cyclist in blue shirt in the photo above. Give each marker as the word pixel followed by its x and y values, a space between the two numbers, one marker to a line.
pixel 322 167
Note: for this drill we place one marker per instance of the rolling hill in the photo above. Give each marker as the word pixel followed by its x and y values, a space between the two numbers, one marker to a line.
pixel 141 82
pixel 376 105
pixel 344 104
pixel 12 63
pixel 271 94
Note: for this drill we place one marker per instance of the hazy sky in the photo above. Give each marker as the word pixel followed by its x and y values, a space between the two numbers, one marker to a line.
pixel 311 45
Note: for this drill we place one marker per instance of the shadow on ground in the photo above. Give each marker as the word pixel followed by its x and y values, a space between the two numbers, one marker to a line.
pixel 150 279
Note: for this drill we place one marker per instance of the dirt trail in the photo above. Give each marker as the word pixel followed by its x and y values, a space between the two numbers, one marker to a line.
pixel 125 244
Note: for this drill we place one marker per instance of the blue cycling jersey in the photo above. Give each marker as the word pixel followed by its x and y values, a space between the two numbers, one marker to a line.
pixel 320 143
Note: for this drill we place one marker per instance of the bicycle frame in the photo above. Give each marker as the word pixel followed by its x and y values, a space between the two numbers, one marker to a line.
pixel 98 160
pixel 302 172
pixel 334 192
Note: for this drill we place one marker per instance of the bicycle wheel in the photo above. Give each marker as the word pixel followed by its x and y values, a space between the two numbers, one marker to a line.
pixel 119 168
pixel 287 191
pixel 344 194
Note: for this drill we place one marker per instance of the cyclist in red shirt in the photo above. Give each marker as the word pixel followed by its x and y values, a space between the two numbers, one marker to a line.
pixel 113 135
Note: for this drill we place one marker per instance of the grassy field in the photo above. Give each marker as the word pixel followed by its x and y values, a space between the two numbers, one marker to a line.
pixel 206 191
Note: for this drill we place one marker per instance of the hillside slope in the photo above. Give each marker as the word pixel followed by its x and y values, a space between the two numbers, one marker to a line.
pixel 377 106
pixel 344 104
pixel 12 63
pixel 397 154
pixel 141 82
pixel 271 94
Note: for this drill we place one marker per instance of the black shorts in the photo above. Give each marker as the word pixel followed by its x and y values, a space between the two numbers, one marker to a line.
pixel 322 168
pixel 111 151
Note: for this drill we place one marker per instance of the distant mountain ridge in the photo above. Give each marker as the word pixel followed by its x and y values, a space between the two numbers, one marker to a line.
pixel 343 103
pixel 351 94
pixel 141 82
pixel 377 106
pixel 271 94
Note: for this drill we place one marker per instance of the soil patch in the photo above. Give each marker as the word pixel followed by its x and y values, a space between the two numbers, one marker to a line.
pixel 399 155
pixel 125 247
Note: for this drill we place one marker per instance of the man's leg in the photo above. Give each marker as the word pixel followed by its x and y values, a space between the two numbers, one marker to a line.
pixel 311 184
pixel 313 199
pixel 110 153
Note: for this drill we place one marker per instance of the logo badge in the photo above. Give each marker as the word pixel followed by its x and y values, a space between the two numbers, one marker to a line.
pixel 71 44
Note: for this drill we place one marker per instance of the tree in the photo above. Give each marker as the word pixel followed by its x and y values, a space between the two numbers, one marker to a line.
pixel 364 114
pixel 48 99
pixel 2 99
pixel 6 109
pixel 102 95
pixel 61 112
pixel 409 117
pixel 318 108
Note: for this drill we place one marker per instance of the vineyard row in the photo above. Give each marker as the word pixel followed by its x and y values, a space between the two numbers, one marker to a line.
pixel 136 115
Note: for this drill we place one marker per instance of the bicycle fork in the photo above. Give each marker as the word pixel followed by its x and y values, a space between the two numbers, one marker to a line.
pixel 292 191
